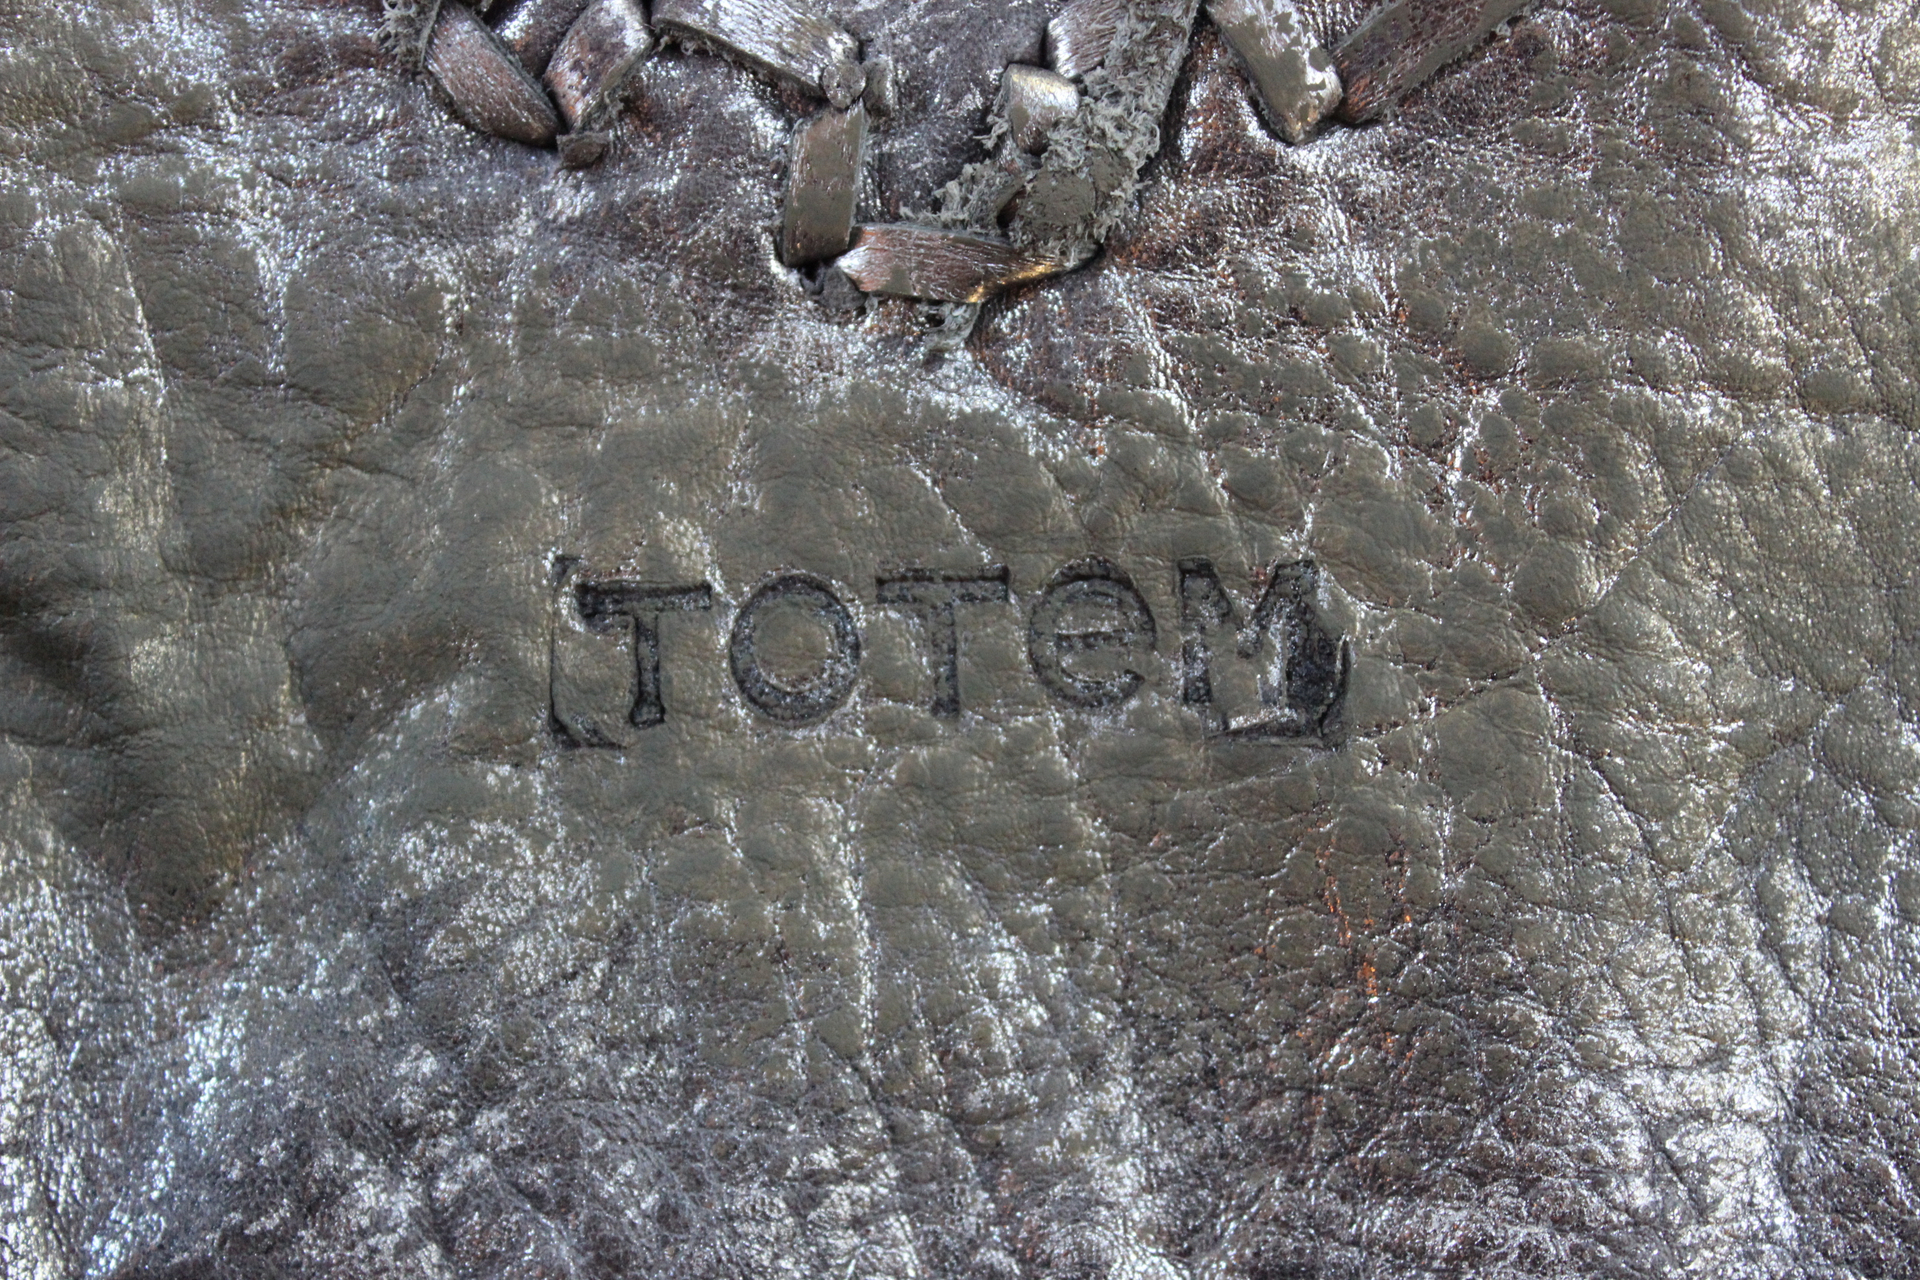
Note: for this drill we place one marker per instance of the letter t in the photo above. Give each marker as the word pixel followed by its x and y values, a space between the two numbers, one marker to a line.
pixel 933 594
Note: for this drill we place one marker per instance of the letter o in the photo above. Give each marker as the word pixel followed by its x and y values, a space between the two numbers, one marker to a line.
pixel 830 686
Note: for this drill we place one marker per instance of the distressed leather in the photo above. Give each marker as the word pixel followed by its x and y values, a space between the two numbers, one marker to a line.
pixel 1583 948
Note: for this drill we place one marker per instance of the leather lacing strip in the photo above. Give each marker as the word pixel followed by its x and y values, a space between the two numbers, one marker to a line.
pixel 554 72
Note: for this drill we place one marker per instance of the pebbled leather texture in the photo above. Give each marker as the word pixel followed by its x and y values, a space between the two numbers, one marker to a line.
pixel 1584 947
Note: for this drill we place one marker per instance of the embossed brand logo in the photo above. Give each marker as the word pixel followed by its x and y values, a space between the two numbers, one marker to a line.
pixel 1265 668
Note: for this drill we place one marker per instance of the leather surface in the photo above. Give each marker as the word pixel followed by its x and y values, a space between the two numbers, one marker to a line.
pixel 1585 947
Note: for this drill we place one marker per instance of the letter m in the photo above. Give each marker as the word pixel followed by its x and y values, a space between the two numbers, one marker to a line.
pixel 1287 673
